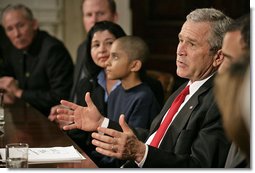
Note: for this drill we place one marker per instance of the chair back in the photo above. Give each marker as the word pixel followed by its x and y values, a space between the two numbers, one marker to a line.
pixel 166 79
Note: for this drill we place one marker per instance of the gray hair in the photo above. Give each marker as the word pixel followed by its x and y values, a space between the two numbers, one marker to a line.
pixel 219 23
pixel 26 11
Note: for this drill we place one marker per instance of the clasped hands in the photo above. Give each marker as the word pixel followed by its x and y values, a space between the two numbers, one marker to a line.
pixel 11 89
pixel 121 145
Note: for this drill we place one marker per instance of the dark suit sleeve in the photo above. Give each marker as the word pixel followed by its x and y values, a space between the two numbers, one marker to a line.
pixel 208 148
pixel 59 70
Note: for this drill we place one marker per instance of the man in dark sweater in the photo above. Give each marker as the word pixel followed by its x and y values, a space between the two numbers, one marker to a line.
pixel 38 68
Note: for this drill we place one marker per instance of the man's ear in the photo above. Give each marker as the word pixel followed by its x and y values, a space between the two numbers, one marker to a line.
pixel 35 24
pixel 116 17
pixel 218 58
pixel 136 65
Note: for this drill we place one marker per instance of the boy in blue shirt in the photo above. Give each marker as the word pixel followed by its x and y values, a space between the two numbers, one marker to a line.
pixel 133 98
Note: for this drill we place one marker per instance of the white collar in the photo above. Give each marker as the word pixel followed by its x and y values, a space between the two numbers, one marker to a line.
pixel 196 85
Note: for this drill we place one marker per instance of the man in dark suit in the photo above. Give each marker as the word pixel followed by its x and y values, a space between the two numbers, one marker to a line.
pixel 2 43
pixel 195 137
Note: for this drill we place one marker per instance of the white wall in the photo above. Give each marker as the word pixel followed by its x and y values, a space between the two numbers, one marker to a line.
pixel 74 32
pixel 125 16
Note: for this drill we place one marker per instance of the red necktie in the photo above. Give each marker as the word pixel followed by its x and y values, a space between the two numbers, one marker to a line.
pixel 171 112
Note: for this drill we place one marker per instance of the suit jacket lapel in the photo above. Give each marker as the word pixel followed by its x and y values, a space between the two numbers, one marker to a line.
pixel 183 116
pixel 78 67
pixel 80 62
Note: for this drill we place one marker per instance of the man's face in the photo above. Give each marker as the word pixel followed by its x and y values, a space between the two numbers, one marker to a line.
pixel 194 60
pixel 19 29
pixel 96 11
pixel 232 49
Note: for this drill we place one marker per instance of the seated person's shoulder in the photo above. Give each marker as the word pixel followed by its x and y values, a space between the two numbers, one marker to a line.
pixel 49 40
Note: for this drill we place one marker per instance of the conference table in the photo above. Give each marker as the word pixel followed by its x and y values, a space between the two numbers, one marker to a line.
pixel 25 124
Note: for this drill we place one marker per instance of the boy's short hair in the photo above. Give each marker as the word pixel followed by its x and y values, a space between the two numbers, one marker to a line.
pixel 135 47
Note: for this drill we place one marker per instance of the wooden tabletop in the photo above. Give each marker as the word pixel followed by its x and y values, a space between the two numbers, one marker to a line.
pixel 25 124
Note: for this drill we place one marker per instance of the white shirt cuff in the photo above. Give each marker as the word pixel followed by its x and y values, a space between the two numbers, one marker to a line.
pixel 105 123
pixel 140 165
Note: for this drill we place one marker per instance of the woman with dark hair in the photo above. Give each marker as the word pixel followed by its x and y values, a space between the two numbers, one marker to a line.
pixel 100 39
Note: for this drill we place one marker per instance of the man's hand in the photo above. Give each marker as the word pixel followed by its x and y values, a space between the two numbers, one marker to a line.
pixel 9 84
pixel 53 113
pixel 122 145
pixel 9 98
pixel 84 118
pixel 53 117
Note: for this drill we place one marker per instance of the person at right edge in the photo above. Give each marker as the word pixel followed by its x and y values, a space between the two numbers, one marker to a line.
pixel 195 138
pixel 235 48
